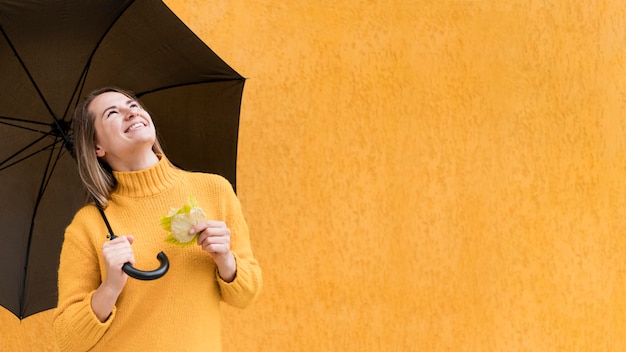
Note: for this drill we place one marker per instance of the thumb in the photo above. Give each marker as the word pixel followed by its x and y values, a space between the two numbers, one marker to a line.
pixel 130 238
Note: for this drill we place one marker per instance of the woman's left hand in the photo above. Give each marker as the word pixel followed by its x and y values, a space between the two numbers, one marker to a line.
pixel 214 237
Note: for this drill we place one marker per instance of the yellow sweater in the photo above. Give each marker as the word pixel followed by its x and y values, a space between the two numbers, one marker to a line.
pixel 178 312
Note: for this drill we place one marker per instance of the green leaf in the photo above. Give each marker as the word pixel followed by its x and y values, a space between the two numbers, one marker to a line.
pixel 173 241
pixel 178 221
pixel 166 223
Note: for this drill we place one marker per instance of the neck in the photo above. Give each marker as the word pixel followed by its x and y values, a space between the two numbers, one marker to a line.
pixel 134 162
pixel 147 182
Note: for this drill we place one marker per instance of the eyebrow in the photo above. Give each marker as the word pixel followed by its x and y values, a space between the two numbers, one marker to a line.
pixel 129 101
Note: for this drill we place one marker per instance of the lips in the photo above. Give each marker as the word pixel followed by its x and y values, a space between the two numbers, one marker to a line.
pixel 135 126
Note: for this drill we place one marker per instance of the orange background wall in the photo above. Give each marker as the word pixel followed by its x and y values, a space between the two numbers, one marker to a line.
pixel 426 175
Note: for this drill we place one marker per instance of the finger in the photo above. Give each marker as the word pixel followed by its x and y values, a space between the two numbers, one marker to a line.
pixel 120 240
pixel 206 225
pixel 118 251
pixel 222 235
pixel 118 254
pixel 215 244
pixel 215 240
pixel 217 232
pixel 212 247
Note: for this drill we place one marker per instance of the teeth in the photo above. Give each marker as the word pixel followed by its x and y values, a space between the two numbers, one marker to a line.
pixel 134 126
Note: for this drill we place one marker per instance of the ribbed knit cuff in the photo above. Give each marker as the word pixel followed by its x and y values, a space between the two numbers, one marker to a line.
pixel 86 329
pixel 242 291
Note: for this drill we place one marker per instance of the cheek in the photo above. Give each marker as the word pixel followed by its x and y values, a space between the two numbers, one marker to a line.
pixel 97 136
pixel 101 135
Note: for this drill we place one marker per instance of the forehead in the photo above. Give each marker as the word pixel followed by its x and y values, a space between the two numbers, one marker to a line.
pixel 107 100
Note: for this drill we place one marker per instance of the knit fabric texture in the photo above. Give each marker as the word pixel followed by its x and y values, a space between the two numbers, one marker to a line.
pixel 181 310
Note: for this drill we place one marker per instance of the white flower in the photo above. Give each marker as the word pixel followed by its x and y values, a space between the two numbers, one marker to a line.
pixel 182 223
pixel 179 221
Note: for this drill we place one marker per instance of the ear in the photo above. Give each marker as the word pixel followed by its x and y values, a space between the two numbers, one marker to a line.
pixel 99 151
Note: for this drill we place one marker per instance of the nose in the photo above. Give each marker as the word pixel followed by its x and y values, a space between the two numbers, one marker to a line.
pixel 131 112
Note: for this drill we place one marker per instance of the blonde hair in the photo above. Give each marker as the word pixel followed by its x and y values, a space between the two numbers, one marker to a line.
pixel 95 173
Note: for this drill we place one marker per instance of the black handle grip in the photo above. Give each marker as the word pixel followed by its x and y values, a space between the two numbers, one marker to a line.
pixel 127 267
pixel 148 275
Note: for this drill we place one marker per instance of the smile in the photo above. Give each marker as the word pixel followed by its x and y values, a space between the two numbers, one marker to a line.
pixel 134 127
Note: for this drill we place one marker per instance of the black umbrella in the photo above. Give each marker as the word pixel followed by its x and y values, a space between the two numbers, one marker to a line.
pixel 52 52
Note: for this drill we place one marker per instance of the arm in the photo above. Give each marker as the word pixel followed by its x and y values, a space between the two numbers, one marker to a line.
pixel 237 272
pixel 115 253
pixel 86 306
pixel 76 327
pixel 214 238
pixel 246 285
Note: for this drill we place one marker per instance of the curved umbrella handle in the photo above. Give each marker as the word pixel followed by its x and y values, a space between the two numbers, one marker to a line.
pixel 128 268
pixel 148 275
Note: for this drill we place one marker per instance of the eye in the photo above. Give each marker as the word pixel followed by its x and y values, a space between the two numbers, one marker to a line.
pixel 111 112
pixel 134 105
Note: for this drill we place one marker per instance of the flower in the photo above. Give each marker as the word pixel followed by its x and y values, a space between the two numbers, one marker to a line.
pixel 179 221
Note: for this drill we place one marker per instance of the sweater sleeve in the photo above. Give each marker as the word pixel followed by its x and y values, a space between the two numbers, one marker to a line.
pixel 76 326
pixel 244 289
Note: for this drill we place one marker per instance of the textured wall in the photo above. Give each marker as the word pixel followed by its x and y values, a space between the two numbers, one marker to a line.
pixel 425 175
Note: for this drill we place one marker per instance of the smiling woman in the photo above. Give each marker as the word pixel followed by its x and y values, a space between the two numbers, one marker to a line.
pixel 122 128
pixel 92 132
pixel 121 163
pixel 52 53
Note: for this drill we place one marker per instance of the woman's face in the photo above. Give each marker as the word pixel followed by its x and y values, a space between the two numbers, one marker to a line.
pixel 122 126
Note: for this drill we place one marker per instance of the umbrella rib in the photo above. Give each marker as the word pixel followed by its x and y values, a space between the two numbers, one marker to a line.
pixel 2 164
pixel 54 165
pixel 23 120
pixel 32 81
pixel 30 77
pixel 83 78
pixel 78 87
pixel 139 94
pixel 25 128
pixel 44 181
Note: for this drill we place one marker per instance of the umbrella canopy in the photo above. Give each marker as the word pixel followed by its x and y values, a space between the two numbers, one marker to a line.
pixel 52 52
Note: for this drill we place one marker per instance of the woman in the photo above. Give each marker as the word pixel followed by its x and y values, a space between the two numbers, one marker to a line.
pixel 124 169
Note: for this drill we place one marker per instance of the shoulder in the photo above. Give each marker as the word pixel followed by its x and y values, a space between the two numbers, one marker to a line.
pixel 82 231
pixel 213 181
pixel 213 189
pixel 87 212
pixel 85 218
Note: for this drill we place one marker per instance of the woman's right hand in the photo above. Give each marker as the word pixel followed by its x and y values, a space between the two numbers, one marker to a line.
pixel 116 253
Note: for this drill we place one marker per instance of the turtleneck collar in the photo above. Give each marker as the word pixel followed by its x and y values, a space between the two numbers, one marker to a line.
pixel 150 181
